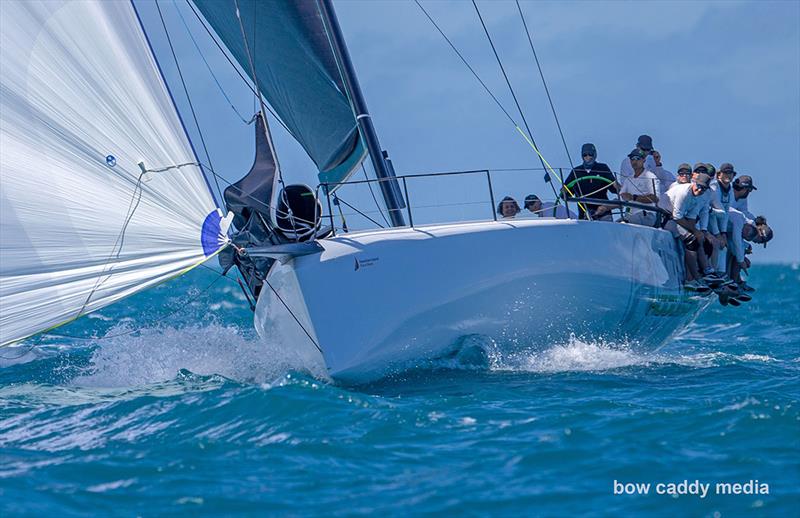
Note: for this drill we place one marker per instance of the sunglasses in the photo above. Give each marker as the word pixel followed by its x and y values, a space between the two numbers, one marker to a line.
pixel 635 158
pixel 588 154
pixel 701 188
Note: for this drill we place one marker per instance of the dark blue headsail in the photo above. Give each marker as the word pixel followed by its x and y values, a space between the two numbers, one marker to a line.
pixel 297 73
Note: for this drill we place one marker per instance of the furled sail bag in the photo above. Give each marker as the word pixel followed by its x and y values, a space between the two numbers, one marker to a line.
pixel 81 224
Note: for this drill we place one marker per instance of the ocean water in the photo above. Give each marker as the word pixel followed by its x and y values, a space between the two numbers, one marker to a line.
pixel 178 408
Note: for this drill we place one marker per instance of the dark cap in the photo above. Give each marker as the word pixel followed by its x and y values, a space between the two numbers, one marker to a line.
pixel 531 198
pixel 727 167
pixel 645 142
pixel 700 167
pixel 711 169
pixel 744 182
pixel 760 234
pixel 637 153
pixel 589 149
pixel 684 166
pixel 702 179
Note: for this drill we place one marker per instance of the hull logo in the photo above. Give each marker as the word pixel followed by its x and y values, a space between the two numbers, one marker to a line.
pixel 364 263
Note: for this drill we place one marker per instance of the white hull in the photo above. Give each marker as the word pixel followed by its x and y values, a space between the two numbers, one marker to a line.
pixel 376 301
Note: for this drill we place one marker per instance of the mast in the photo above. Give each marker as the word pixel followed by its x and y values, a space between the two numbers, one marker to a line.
pixel 389 187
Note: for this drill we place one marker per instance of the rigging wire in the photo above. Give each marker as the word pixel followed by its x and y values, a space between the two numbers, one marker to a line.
pixel 530 142
pixel 466 63
pixel 544 82
pixel 374 198
pixel 210 70
pixel 514 96
pixel 262 105
pixel 549 98
pixel 266 281
pixel 339 198
pixel 494 97
pixel 186 92
pixel 233 64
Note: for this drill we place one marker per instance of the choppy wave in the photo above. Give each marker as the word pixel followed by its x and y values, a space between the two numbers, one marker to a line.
pixel 203 416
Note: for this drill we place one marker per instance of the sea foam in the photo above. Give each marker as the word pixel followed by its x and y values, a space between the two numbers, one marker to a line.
pixel 154 355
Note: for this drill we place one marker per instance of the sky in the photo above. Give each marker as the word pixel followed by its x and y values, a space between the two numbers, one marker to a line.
pixel 709 81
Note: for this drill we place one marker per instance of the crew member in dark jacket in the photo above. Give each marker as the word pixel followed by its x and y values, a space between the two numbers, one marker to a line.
pixel 591 187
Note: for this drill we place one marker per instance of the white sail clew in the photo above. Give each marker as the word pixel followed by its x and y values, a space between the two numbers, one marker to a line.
pixel 82 104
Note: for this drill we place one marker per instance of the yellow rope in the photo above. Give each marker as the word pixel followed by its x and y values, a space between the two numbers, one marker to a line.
pixel 530 143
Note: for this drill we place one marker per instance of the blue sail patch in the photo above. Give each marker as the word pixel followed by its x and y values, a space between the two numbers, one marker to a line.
pixel 211 235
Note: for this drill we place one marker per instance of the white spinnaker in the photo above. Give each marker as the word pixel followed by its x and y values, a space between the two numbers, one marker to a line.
pixel 82 102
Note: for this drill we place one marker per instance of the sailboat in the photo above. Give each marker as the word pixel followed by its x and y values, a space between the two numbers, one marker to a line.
pixel 103 195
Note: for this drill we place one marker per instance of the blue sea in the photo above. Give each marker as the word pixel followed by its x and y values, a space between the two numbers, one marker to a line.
pixel 168 404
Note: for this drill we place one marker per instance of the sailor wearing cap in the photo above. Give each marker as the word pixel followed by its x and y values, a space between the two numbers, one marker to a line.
pixel 642 187
pixel 721 197
pixel 688 205
pixel 644 144
pixel 684 176
pixel 739 216
pixel 742 188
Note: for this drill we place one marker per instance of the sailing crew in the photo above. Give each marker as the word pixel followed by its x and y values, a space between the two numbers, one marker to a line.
pixel 644 144
pixel 684 174
pixel 587 185
pixel 508 208
pixel 689 208
pixel 721 197
pixel 546 209
pixel 664 176
pixel 715 236
pixel 742 188
pixel 739 216
pixel 642 187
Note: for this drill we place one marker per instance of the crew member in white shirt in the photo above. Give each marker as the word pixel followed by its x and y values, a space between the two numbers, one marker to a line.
pixel 742 188
pixel 666 177
pixel 645 144
pixel 641 187
pixel 689 208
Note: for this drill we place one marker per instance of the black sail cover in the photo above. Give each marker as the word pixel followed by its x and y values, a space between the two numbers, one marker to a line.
pixel 297 74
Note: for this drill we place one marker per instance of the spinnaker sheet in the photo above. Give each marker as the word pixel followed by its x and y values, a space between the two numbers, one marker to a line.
pixel 82 105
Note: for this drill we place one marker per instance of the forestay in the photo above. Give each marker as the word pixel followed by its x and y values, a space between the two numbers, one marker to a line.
pixel 287 43
pixel 82 104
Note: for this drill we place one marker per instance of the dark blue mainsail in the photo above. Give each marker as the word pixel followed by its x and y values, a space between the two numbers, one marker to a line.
pixel 297 73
